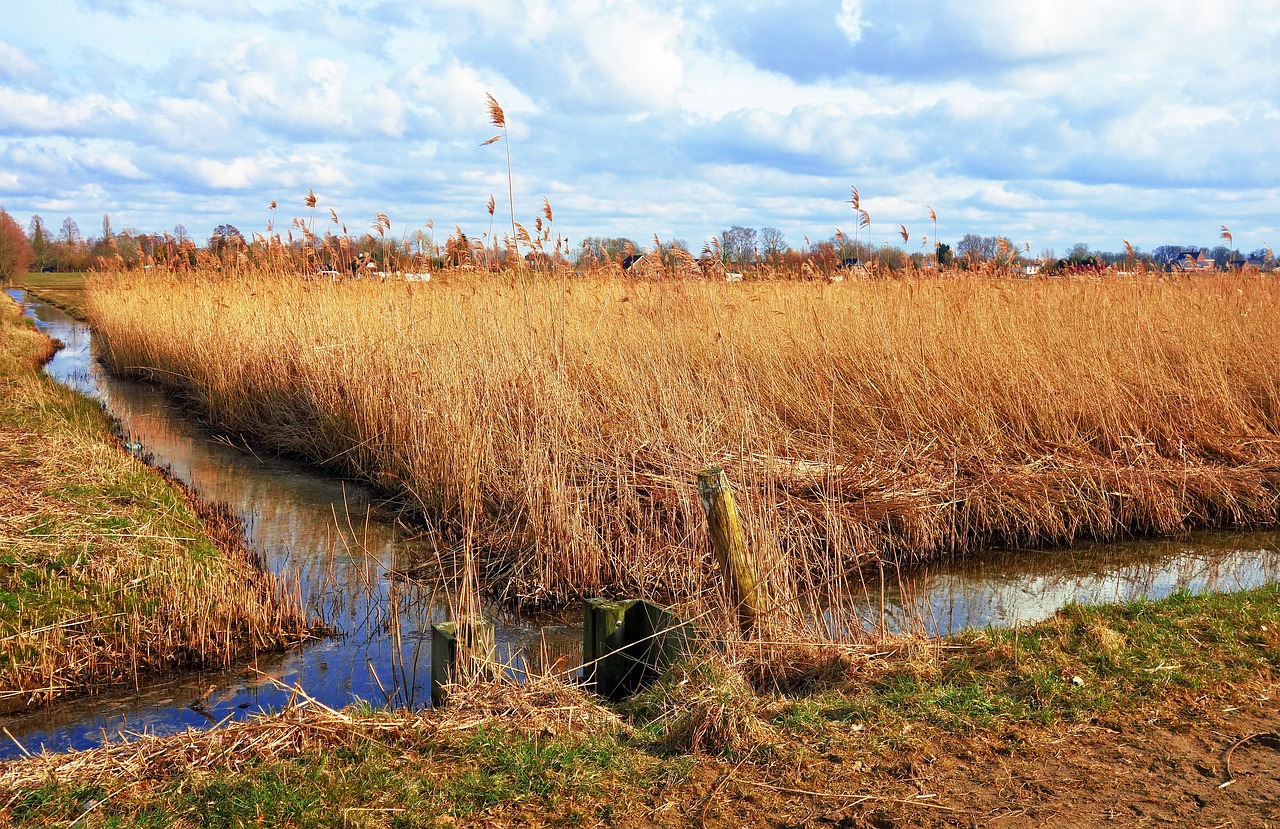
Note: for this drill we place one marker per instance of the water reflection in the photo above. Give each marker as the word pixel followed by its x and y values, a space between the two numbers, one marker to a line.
pixel 332 534
pixel 328 532
pixel 1006 588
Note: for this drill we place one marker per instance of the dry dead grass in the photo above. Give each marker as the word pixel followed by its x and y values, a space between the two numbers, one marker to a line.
pixel 556 428
pixel 544 708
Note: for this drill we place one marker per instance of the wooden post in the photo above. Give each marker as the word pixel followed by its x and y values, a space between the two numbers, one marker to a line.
pixel 464 648
pixel 606 665
pixel 626 644
pixel 730 544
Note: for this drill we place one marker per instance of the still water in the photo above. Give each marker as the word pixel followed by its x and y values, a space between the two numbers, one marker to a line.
pixel 328 533
pixel 335 538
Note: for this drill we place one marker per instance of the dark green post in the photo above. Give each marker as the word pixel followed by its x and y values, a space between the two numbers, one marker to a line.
pixel 606 664
pixel 465 648
pixel 626 644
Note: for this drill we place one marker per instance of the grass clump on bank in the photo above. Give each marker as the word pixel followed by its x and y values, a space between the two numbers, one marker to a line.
pixel 108 571
pixel 705 747
pixel 556 426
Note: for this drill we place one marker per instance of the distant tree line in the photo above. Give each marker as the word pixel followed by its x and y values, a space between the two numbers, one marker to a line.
pixel 734 249
pixel 742 248
pixel 68 249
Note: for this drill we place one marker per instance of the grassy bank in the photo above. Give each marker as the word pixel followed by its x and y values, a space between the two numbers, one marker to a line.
pixel 556 429
pixel 65 290
pixel 1123 715
pixel 108 571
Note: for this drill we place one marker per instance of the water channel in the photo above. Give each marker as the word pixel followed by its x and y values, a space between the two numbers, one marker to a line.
pixel 333 535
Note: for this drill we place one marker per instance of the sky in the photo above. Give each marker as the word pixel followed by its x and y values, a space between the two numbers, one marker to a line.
pixel 1050 123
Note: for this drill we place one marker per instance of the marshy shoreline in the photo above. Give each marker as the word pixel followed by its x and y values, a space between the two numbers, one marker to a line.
pixel 896 731
pixel 1156 711
pixel 112 571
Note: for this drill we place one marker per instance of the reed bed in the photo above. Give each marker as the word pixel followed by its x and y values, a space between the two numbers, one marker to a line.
pixel 553 427
pixel 108 571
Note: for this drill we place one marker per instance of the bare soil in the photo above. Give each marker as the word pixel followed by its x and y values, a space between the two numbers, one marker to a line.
pixel 1137 773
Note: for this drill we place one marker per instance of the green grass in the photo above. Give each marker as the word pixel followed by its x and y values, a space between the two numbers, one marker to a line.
pixel 1083 663
pixel 512 768
pixel 66 290
pixel 490 772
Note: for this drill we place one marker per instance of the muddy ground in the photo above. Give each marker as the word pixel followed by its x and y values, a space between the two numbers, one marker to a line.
pixel 1137 773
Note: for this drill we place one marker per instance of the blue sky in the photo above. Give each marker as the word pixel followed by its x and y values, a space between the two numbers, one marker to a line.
pixel 1049 123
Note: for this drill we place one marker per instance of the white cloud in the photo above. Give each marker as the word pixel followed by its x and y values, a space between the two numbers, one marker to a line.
pixel 850 19
pixel 114 164
pixel 234 175
pixel 628 50
pixel 277 89
pixel 28 113
pixel 185 122
pixel 16 66
pixel 759 112
pixel 277 175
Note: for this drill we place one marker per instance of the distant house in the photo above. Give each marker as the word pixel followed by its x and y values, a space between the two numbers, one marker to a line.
pixel 1193 260
pixel 1031 269
pixel 539 261
pixel 850 264
pixel 641 266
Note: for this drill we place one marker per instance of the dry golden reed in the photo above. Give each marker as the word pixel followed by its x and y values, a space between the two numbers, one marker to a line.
pixel 557 427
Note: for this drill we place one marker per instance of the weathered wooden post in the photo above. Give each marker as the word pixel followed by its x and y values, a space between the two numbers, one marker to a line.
pixel 626 644
pixel 465 648
pixel 606 665
pixel 730 544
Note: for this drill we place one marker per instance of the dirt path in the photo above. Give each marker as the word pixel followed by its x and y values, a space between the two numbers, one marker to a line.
pixel 1112 774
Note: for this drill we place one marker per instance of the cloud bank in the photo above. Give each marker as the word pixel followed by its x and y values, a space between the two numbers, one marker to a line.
pixel 1049 123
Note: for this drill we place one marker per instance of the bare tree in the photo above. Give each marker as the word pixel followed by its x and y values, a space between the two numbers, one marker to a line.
pixel 738 246
pixel 773 244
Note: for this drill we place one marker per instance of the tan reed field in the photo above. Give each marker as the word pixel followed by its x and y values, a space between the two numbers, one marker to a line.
pixel 555 426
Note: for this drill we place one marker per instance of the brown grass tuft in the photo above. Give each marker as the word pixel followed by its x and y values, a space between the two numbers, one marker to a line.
pixel 496 115
pixel 706 706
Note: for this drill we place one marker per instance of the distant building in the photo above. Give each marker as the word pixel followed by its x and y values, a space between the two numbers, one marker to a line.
pixel 1192 260
pixel 539 261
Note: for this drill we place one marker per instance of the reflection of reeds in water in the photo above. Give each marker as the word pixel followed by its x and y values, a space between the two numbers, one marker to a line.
pixel 382 596
pixel 1028 586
